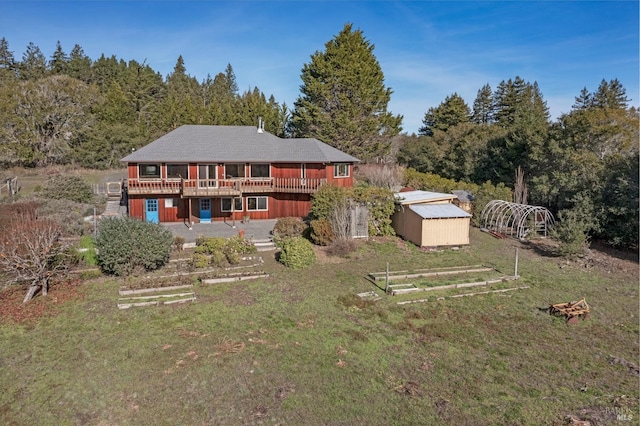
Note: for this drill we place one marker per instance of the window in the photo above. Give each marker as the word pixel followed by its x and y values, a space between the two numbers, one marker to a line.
pixel 340 170
pixel 234 171
pixel 260 171
pixel 256 203
pixel 177 171
pixel 207 176
pixel 225 204
pixel 149 171
pixel 171 202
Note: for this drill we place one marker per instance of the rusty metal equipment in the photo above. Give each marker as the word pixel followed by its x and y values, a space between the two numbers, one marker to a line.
pixel 572 311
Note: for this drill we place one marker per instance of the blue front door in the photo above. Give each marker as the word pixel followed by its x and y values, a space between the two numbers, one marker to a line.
pixel 152 210
pixel 205 210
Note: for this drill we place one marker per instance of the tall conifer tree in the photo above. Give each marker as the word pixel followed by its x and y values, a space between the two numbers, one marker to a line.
pixel 343 99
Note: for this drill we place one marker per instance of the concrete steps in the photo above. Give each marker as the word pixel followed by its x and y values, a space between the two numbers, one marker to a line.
pixel 265 244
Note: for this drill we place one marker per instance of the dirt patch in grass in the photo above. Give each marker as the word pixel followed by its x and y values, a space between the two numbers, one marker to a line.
pixel 323 257
pixel 12 308
pixel 239 295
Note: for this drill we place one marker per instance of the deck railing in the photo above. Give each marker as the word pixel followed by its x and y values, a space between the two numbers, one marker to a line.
pixel 223 187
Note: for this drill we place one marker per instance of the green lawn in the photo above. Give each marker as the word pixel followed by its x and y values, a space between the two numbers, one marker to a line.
pixel 300 348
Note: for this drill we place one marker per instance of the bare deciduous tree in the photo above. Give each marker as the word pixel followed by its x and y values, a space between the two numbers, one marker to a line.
pixel 29 249
pixel 520 192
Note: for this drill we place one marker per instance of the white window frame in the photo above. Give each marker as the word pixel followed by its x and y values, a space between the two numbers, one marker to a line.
pixel 205 181
pixel 260 177
pixel 257 209
pixel 158 165
pixel 336 170
pixel 171 203
pixel 222 209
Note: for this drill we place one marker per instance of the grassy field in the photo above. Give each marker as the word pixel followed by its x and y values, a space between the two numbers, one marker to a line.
pixel 301 348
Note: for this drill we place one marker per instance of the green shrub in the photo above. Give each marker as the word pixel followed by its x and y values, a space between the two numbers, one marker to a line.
pixel 289 227
pixel 127 244
pixel 210 245
pixel 218 259
pixel 222 250
pixel 199 260
pixel 87 251
pixel 322 232
pixel 325 199
pixel 240 245
pixel 68 187
pixel 233 257
pixel 297 253
pixel 571 233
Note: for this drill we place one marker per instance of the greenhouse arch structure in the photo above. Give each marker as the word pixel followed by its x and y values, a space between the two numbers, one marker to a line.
pixel 516 220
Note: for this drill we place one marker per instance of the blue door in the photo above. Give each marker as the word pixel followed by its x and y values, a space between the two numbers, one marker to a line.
pixel 152 210
pixel 205 210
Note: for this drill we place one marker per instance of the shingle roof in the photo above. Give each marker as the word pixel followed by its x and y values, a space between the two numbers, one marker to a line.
pixel 411 197
pixel 464 196
pixel 197 143
pixel 438 211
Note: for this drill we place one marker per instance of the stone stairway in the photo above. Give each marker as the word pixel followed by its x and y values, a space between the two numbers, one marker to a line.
pixel 265 244
pixel 113 208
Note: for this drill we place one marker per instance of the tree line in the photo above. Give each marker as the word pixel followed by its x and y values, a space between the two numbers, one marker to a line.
pixel 70 109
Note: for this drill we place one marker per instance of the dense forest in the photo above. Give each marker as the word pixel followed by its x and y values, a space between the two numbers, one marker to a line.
pixel 71 109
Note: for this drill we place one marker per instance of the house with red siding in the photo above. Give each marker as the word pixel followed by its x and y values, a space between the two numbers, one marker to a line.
pixel 199 173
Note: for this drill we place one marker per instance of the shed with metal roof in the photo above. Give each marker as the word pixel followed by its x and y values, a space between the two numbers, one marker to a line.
pixel 430 219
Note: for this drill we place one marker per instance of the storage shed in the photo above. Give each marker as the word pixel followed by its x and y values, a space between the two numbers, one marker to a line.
pixel 430 219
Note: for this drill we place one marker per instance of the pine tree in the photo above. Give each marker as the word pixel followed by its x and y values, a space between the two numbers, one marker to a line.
pixel 8 70
pixel 343 99
pixel 611 95
pixel 59 60
pixel 79 64
pixel 583 101
pixel 483 106
pixel 451 112
pixel 34 64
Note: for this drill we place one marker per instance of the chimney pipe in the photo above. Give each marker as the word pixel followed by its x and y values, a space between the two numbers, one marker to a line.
pixel 260 124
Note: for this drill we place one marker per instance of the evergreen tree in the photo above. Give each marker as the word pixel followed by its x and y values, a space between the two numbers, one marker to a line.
pixel 7 62
pixel 583 101
pixel 183 104
pixel 451 112
pixel 483 106
pixel 59 62
pixel 343 99
pixel 79 64
pixel 222 107
pixel 610 94
pixel 34 64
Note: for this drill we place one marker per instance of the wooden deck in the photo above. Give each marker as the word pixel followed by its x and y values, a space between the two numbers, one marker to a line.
pixel 222 187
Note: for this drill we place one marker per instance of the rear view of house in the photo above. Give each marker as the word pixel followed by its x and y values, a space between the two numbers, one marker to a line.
pixel 200 173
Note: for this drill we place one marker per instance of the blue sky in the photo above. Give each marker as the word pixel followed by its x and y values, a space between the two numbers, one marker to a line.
pixel 427 49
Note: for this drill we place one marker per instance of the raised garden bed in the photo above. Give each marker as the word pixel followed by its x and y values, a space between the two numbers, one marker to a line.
pixel 433 272
pixel 413 288
pixel 156 300
pixel 240 276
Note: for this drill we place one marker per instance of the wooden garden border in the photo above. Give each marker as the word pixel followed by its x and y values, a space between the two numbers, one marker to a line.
pixel 453 286
pixel 234 277
pixel 503 290
pixel 433 272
